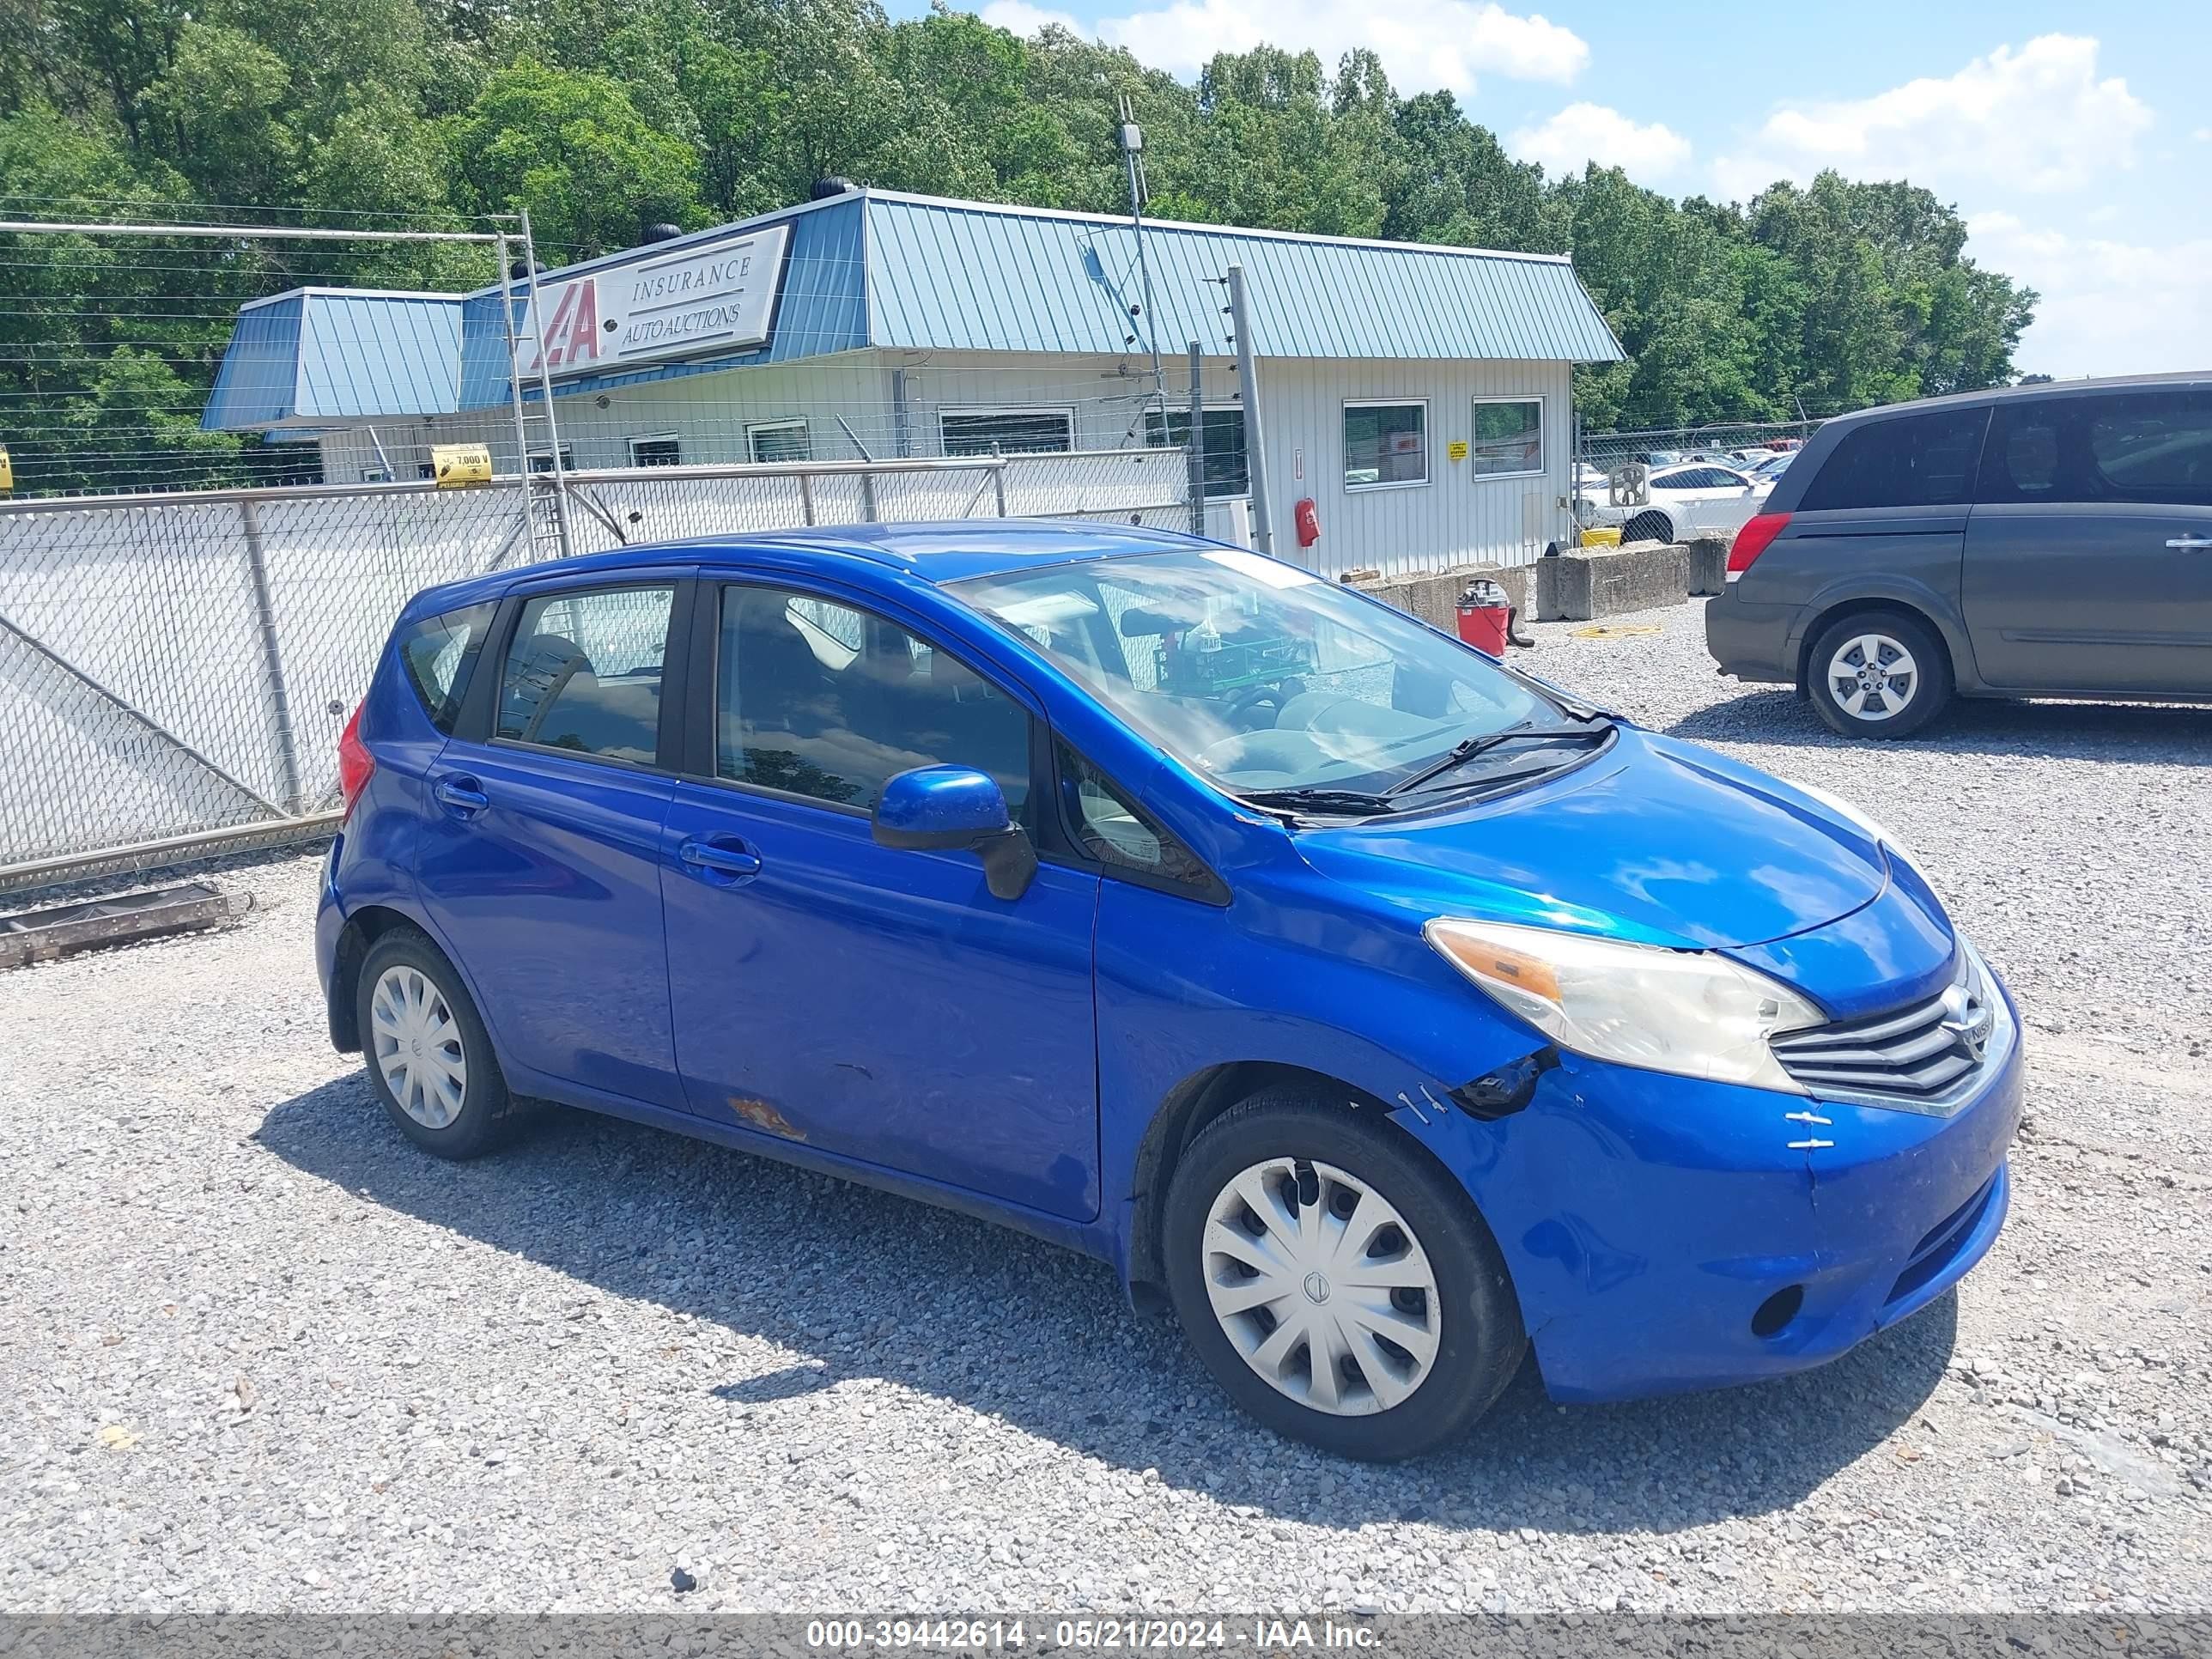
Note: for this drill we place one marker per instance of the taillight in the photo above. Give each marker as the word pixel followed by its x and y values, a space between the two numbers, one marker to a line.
pixel 1757 535
pixel 356 764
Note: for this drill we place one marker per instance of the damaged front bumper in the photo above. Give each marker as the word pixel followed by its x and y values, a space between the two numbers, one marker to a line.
pixel 1666 1234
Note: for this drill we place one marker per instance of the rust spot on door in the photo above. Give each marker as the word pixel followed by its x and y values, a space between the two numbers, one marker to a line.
pixel 762 1116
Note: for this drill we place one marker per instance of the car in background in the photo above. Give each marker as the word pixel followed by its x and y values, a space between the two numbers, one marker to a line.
pixel 2044 541
pixel 1389 1009
pixel 1689 501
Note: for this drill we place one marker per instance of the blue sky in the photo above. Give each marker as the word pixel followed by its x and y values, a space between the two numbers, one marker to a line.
pixel 2077 139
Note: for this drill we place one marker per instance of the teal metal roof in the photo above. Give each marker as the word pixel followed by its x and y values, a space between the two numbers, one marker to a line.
pixel 306 358
pixel 882 268
pixel 972 277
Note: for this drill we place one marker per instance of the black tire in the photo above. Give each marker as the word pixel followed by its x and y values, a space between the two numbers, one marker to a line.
pixel 1478 1336
pixel 485 1114
pixel 1923 695
pixel 1648 527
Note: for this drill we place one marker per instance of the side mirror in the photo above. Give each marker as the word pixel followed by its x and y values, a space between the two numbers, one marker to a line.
pixel 957 809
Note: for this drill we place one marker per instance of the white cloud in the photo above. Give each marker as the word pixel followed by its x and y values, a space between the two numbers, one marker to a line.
pixel 1021 18
pixel 2202 134
pixel 1591 132
pixel 2035 120
pixel 2107 307
pixel 1425 45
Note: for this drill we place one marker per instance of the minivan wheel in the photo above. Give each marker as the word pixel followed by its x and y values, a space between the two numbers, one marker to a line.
pixel 1648 527
pixel 1337 1283
pixel 430 1058
pixel 1878 675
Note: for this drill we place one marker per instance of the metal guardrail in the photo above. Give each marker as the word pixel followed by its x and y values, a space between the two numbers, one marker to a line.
pixel 175 668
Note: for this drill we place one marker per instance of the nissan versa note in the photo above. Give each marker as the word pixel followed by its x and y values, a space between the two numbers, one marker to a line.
pixel 1391 1010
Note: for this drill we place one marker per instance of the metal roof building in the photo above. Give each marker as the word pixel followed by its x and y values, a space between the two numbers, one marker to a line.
pixel 1410 393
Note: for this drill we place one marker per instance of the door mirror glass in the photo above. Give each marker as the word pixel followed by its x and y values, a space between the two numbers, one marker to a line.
pixel 957 809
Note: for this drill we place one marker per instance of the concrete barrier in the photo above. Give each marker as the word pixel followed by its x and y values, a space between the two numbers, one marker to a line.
pixel 1584 582
pixel 1434 595
pixel 1708 567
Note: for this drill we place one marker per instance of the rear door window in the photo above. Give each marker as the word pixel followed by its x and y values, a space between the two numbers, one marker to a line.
pixel 439 654
pixel 2148 446
pixel 1908 460
pixel 584 672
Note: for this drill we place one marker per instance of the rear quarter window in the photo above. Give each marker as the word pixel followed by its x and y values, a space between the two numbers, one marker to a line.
pixel 439 654
pixel 1908 460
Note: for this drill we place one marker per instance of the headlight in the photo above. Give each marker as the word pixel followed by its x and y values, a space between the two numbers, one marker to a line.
pixel 1689 1013
pixel 1866 821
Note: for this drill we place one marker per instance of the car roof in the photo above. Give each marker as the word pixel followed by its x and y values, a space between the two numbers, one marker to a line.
pixel 1997 394
pixel 936 552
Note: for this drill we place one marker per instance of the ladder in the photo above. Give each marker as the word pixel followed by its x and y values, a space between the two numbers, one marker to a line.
pixel 537 432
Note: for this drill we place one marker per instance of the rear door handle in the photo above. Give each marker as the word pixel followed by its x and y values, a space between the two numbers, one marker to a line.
pixel 462 795
pixel 2192 544
pixel 705 855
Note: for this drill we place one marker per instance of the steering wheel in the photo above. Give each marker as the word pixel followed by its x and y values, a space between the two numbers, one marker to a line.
pixel 1244 713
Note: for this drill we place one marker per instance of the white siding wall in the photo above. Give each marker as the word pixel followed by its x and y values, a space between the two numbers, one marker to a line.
pixel 1454 519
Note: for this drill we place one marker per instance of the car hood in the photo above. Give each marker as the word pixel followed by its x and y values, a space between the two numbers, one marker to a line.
pixel 1655 842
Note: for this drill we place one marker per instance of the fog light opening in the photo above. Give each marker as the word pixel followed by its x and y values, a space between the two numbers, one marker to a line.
pixel 1777 1310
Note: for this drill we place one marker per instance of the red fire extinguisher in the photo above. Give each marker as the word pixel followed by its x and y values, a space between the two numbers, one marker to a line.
pixel 1307 517
pixel 1486 616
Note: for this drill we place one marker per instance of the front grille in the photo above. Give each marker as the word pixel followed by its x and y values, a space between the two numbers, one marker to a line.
pixel 1920 1055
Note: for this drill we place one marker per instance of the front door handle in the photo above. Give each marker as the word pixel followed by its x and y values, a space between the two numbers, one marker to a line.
pixel 2192 544
pixel 706 856
pixel 462 795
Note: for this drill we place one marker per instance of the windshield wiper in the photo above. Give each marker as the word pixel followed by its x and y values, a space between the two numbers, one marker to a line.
pixel 1321 799
pixel 1469 748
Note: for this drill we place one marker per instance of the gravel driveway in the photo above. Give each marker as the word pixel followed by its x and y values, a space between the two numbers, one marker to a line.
pixel 259 1353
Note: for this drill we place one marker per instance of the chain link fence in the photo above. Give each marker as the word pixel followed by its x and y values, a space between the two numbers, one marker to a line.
pixel 175 668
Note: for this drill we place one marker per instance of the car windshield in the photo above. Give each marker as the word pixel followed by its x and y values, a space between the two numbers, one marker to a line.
pixel 1266 679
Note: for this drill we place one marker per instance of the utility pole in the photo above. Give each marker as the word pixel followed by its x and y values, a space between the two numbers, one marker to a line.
pixel 1248 382
pixel 1196 446
pixel 1132 158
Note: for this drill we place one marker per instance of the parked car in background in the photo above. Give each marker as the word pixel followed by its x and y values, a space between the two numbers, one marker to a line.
pixel 2052 540
pixel 1693 500
pixel 1385 1006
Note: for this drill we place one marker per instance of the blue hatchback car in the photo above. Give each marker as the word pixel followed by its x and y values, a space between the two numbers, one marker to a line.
pixel 1389 1009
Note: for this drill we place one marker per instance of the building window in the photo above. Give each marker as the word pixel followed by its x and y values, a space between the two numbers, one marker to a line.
pixel 1222 427
pixel 1007 431
pixel 376 475
pixel 541 460
pixel 662 449
pixel 774 441
pixel 1509 437
pixel 1386 444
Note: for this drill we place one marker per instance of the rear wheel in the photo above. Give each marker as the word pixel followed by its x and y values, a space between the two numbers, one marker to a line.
pixel 1878 674
pixel 430 1061
pixel 1338 1284
pixel 1648 527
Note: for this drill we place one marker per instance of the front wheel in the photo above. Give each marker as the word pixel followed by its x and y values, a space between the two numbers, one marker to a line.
pixel 1337 1283
pixel 1648 527
pixel 1878 675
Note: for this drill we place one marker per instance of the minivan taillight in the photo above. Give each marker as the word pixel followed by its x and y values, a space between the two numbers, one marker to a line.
pixel 356 764
pixel 1757 535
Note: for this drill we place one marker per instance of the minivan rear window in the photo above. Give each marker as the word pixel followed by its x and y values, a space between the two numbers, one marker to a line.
pixel 1909 460
pixel 439 653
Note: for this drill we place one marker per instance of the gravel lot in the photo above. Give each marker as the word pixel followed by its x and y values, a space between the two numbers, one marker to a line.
pixel 261 1354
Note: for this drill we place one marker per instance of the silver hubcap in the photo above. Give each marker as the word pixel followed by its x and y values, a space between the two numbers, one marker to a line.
pixel 1873 677
pixel 1322 1287
pixel 418 1046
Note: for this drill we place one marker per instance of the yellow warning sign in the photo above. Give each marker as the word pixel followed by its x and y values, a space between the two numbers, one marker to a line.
pixel 460 463
pixel 7 470
pixel 1456 449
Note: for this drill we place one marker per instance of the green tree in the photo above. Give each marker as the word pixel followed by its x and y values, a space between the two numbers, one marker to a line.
pixel 571 150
